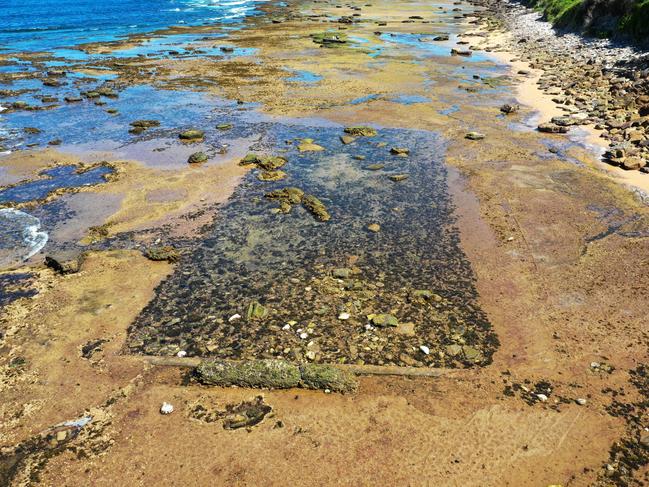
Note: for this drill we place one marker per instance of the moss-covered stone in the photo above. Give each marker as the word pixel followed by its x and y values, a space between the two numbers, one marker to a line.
pixel 316 207
pixel 145 123
pixel 270 163
pixel 270 373
pixel 271 175
pixel 256 311
pixel 322 377
pixel 361 131
pixel 290 195
pixel 160 253
pixel 191 134
pixel 224 126
pixel 197 158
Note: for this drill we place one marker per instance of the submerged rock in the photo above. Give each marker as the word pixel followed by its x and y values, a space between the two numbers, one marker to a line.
pixel 224 126
pixel 145 123
pixel 460 52
pixel 361 131
pixel 374 167
pixel 399 177
pixel 256 311
pixel 347 139
pixel 316 207
pixel 197 158
pixel 308 145
pixel 291 195
pixel 374 227
pixel 400 151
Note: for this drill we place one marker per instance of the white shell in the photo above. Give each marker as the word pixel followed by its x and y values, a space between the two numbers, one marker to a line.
pixel 166 408
pixel 581 401
pixel 304 335
pixel 424 349
pixel 234 317
pixel 286 327
pixel 542 397
pixel 343 316
pixel 181 354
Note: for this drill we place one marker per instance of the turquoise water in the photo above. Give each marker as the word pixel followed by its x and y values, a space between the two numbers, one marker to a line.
pixel 44 25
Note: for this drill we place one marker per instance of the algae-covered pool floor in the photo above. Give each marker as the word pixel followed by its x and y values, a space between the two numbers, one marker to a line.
pixel 382 281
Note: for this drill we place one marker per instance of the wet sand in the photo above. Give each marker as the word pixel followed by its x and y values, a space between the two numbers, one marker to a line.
pixel 557 248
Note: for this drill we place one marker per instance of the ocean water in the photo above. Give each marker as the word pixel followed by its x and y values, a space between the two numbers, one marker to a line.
pixel 45 25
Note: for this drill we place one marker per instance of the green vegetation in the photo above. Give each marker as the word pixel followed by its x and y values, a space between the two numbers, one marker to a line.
pixel 607 18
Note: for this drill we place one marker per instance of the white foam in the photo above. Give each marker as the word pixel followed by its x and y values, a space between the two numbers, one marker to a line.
pixel 16 225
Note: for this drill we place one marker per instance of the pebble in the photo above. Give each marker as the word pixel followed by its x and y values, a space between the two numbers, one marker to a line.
pixel 304 336
pixel 234 317
pixel 181 354
pixel 343 316
pixel 166 408
pixel 581 401
pixel 542 397
pixel 286 327
pixel 424 349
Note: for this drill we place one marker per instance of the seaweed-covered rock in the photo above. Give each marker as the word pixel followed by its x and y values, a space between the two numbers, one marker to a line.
pixel 291 195
pixel 224 126
pixel 191 134
pixel 270 373
pixel 256 311
pixel 316 207
pixel 161 253
pixel 145 123
pixel 197 158
pixel 271 175
pixel 270 163
pixel 249 159
pixel 322 377
pixel 308 145
pixel 361 131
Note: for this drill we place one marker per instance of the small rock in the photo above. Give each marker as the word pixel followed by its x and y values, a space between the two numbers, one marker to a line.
pixel 166 408
pixel 509 108
pixel 424 349
pixel 197 158
pixel 542 397
pixel 181 354
pixel 343 316
pixel 551 128
pixel 400 151
pixel 374 227
pixel 474 136
pixel 234 317
pixel 347 139
pixel 399 177
pixel 383 320
pixel 581 401
pixel 342 273
pixel 361 131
